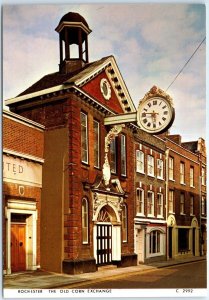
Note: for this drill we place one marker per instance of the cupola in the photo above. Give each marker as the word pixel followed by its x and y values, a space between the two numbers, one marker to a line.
pixel 73 39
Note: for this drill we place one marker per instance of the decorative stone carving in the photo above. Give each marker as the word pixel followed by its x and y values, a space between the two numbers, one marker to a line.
pixel 101 199
pixel 106 166
pixel 154 92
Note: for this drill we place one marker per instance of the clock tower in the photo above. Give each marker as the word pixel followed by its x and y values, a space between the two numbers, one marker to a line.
pixel 73 40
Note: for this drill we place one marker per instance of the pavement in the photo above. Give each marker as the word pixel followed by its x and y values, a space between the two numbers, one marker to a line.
pixel 48 280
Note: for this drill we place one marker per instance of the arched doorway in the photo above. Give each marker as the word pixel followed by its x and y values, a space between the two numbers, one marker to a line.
pixel 107 236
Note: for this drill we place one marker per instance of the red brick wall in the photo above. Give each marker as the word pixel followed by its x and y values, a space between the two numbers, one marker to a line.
pixel 179 155
pixel 153 181
pixel 22 138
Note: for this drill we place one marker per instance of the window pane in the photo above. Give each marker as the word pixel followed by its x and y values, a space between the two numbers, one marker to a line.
pixel 113 156
pixel 171 177
pixel 123 154
pixel 84 138
pixel 124 224
pixel 140 201
pixel 85 221
pixel 139 161
pixel 96 144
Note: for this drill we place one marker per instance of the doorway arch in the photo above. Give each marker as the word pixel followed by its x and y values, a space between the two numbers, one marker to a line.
pixel 107 235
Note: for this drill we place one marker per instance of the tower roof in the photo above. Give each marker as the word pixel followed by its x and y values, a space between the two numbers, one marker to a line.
pixel 73 17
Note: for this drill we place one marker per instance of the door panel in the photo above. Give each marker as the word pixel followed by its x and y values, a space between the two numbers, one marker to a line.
pixel 104 244
pixel 18 253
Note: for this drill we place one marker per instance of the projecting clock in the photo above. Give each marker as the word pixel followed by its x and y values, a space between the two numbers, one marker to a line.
pixel 155 115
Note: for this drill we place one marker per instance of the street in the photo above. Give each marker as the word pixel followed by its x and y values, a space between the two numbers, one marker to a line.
pixel 190 275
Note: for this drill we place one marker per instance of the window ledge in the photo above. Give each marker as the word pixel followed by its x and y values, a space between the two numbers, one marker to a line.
pixel 182 183
pixel 139 172
pixel 153 176
pixel 140 215
pixel 150 216
pixel 192 186
pixel 171 180
pixel 160 178
pixel 182 214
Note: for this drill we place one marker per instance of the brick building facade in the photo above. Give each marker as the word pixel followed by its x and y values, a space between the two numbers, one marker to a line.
pixel 183 199
pixel 23 143
pixel 105 189
pixel 150 188
pixel 88 191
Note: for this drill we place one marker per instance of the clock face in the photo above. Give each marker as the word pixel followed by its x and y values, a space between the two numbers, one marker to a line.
pixel 155 115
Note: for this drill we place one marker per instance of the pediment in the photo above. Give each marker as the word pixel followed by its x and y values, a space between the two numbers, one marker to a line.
pixel 106 70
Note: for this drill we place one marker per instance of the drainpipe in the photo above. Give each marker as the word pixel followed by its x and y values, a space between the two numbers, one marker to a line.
pixel 166 196
pixel 200 208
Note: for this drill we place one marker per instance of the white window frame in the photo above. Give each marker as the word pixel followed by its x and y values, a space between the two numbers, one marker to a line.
pixel 191 205
pixel 159 205
pixel 191 176
pixel 123 154
pixel 203 208
pixel 96 144
pixel 171 168
pixel 150 165
pixel 140 201
pixel 182 204
pixel 84 130
pixel 171 201
pixel 160 168
pixel 182 172
pixel 203 176
pixel 158 241
pixel 150 205
pixel 124 224
pixel 85 221
pixel 113 154
pixel 139 161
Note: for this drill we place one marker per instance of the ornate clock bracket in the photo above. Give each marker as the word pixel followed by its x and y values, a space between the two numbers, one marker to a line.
pixel 108 139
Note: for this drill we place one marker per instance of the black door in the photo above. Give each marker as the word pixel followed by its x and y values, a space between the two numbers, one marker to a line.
pixel 104 244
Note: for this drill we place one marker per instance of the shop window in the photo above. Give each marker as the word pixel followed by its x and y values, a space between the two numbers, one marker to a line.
pixel 96 144
pixel 84 138
pixel 183 240
pixel 154 242
pixel 85 221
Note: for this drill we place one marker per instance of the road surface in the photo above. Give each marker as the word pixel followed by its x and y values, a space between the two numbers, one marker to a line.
pixel 189 275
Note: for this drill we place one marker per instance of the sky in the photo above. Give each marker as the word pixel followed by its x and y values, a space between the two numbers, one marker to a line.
pixel 150 42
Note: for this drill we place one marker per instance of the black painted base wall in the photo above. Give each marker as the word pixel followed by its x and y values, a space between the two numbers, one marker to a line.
pixel 79 266
pixel 127 260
